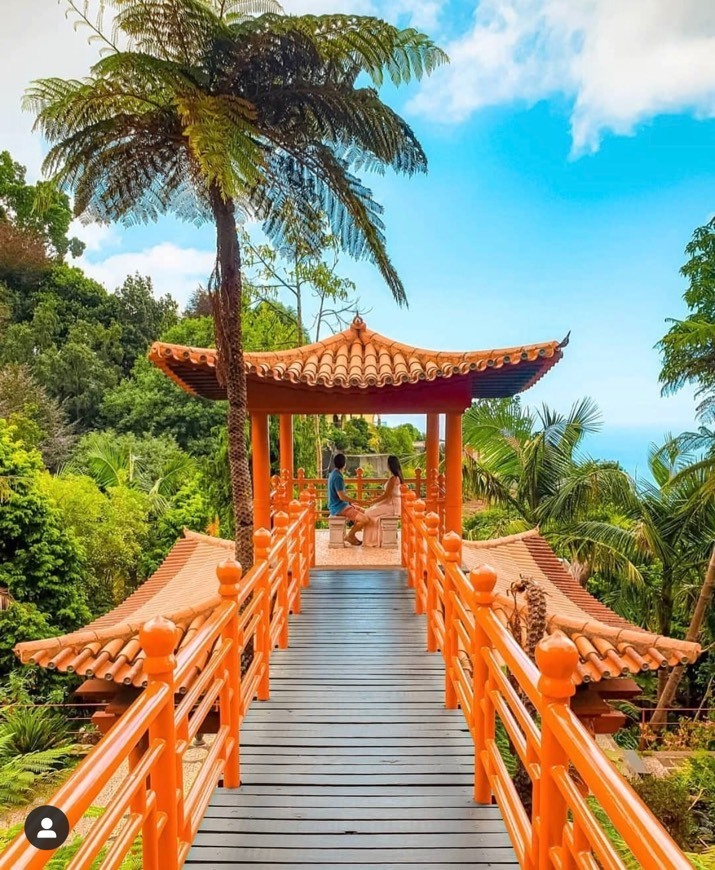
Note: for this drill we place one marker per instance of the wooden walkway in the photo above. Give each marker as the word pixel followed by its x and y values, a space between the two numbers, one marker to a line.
pixel 354 761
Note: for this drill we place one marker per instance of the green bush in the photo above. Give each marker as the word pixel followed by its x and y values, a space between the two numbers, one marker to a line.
pixel 669 800
pixel 24 730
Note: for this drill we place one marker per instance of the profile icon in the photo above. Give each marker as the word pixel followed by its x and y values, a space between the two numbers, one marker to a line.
pixel 46 833
pixel 47 827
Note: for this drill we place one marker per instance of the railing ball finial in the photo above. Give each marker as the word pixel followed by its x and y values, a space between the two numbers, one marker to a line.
pixel 305 496
pixel 295 507
pixel 281 520
pixel 158 638
pixel 452 544
pixel 229 574
pixel 410 495
pixel 483 580
pixel 261 544
pixel 419 506
pixel 557 658
pixel 432 523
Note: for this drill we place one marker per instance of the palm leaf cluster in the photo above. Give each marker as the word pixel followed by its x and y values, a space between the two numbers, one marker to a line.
pixel 199 95
pixel 217 109
pixel 654 529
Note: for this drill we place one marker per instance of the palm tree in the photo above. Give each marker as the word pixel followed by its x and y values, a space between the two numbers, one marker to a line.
pixel 532 464
pixel 216 109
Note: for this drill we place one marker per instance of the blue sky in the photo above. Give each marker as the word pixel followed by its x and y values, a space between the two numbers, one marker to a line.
pixel 571 156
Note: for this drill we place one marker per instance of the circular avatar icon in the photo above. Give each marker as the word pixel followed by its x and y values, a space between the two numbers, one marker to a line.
pixel 47 827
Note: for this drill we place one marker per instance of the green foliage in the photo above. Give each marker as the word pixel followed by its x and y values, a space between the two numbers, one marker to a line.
pixel 22 775
pixel 688 348
pixel 39 209
pixel 39 560
pixel 669 800
pixel 397 440
pixel 31 729
pixel 21 622
pixel 143 317
pixel 112 529
pixel 38 418
pixel 491 523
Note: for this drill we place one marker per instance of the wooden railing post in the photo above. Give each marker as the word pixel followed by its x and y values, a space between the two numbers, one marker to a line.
pixel 418 556
pixel 158 638
pixel 410 498
pixel 418 482
pixel 229 577
pixel 261 547
pixel 557 658
pixel 300 480
pixel 300 568
pixel 405 524
pixel 307 551
pixel 432 523
pixel 280 522
pixel 483 580
pixel 452 543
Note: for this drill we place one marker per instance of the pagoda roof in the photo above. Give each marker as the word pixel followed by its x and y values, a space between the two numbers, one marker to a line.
pixel 185 590
pixel 360 365
pixel 608 645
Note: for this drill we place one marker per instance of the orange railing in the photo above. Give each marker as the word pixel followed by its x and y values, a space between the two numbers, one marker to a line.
pixel 362 488
pixel 145 751
pixel 493 680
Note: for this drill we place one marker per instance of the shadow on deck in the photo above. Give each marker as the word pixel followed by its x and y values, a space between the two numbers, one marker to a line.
pixel 354 760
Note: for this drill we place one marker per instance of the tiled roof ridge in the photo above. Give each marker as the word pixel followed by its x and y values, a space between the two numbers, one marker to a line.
pixel 333 361
pixel 116 631
pixel 203 538
pixel 500 542
pixel 624 637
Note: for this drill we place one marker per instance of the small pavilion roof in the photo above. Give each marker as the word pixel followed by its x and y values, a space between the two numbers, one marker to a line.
pixel 185 590
pixel 360 364
pixel 608 645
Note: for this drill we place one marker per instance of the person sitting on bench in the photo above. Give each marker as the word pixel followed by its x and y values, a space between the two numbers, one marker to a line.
pixel 388 505
pixel 339 505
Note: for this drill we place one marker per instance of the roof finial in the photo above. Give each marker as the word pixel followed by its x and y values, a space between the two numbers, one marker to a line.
pixel 358 323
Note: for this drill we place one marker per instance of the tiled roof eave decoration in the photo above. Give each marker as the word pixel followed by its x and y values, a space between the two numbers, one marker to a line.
pixel 359 358
pixel 609 646
pixel 183 589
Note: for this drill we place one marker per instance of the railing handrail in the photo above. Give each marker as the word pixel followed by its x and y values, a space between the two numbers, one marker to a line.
pixel 562 831
pixel 154 732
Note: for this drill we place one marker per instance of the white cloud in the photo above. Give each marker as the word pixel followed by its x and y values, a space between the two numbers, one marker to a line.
pixel 620 62
pixel 95 236
pixel 173 270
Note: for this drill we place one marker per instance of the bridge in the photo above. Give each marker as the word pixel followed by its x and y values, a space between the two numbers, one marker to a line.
pixel 367 730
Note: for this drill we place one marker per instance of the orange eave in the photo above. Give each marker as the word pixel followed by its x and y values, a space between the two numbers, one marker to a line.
pixel 608 645
pixel 185 590
pixel 360 370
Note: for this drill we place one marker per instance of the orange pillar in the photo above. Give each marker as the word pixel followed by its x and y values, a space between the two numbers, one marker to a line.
pixel 431 457
pixel 285 441
pixel 453 472
pixel 261 471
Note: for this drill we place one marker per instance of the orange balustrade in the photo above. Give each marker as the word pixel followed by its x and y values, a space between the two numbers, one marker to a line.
pixel 493 681
pixel 151 738
pixel 284 487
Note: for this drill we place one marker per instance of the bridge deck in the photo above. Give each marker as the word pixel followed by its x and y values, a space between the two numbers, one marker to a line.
pixel 354 760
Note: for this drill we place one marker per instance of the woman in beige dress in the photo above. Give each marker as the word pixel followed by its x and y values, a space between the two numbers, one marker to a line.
pixel 388 505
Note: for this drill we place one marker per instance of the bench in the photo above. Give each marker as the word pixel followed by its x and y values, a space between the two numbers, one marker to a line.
pixel 336 529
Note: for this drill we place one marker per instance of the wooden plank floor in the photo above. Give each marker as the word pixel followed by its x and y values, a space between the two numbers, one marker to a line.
pixel 354 761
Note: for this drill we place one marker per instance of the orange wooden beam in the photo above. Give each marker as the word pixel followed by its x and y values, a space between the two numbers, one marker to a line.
pixel 453 473
pixel 286 443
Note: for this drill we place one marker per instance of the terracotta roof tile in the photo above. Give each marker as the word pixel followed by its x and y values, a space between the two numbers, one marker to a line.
pixel 608 645
pixel 183 589
pixel 359 357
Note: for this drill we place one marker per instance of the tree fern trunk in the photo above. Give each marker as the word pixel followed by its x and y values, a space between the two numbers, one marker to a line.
pixel 227 299
pixel 707 591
